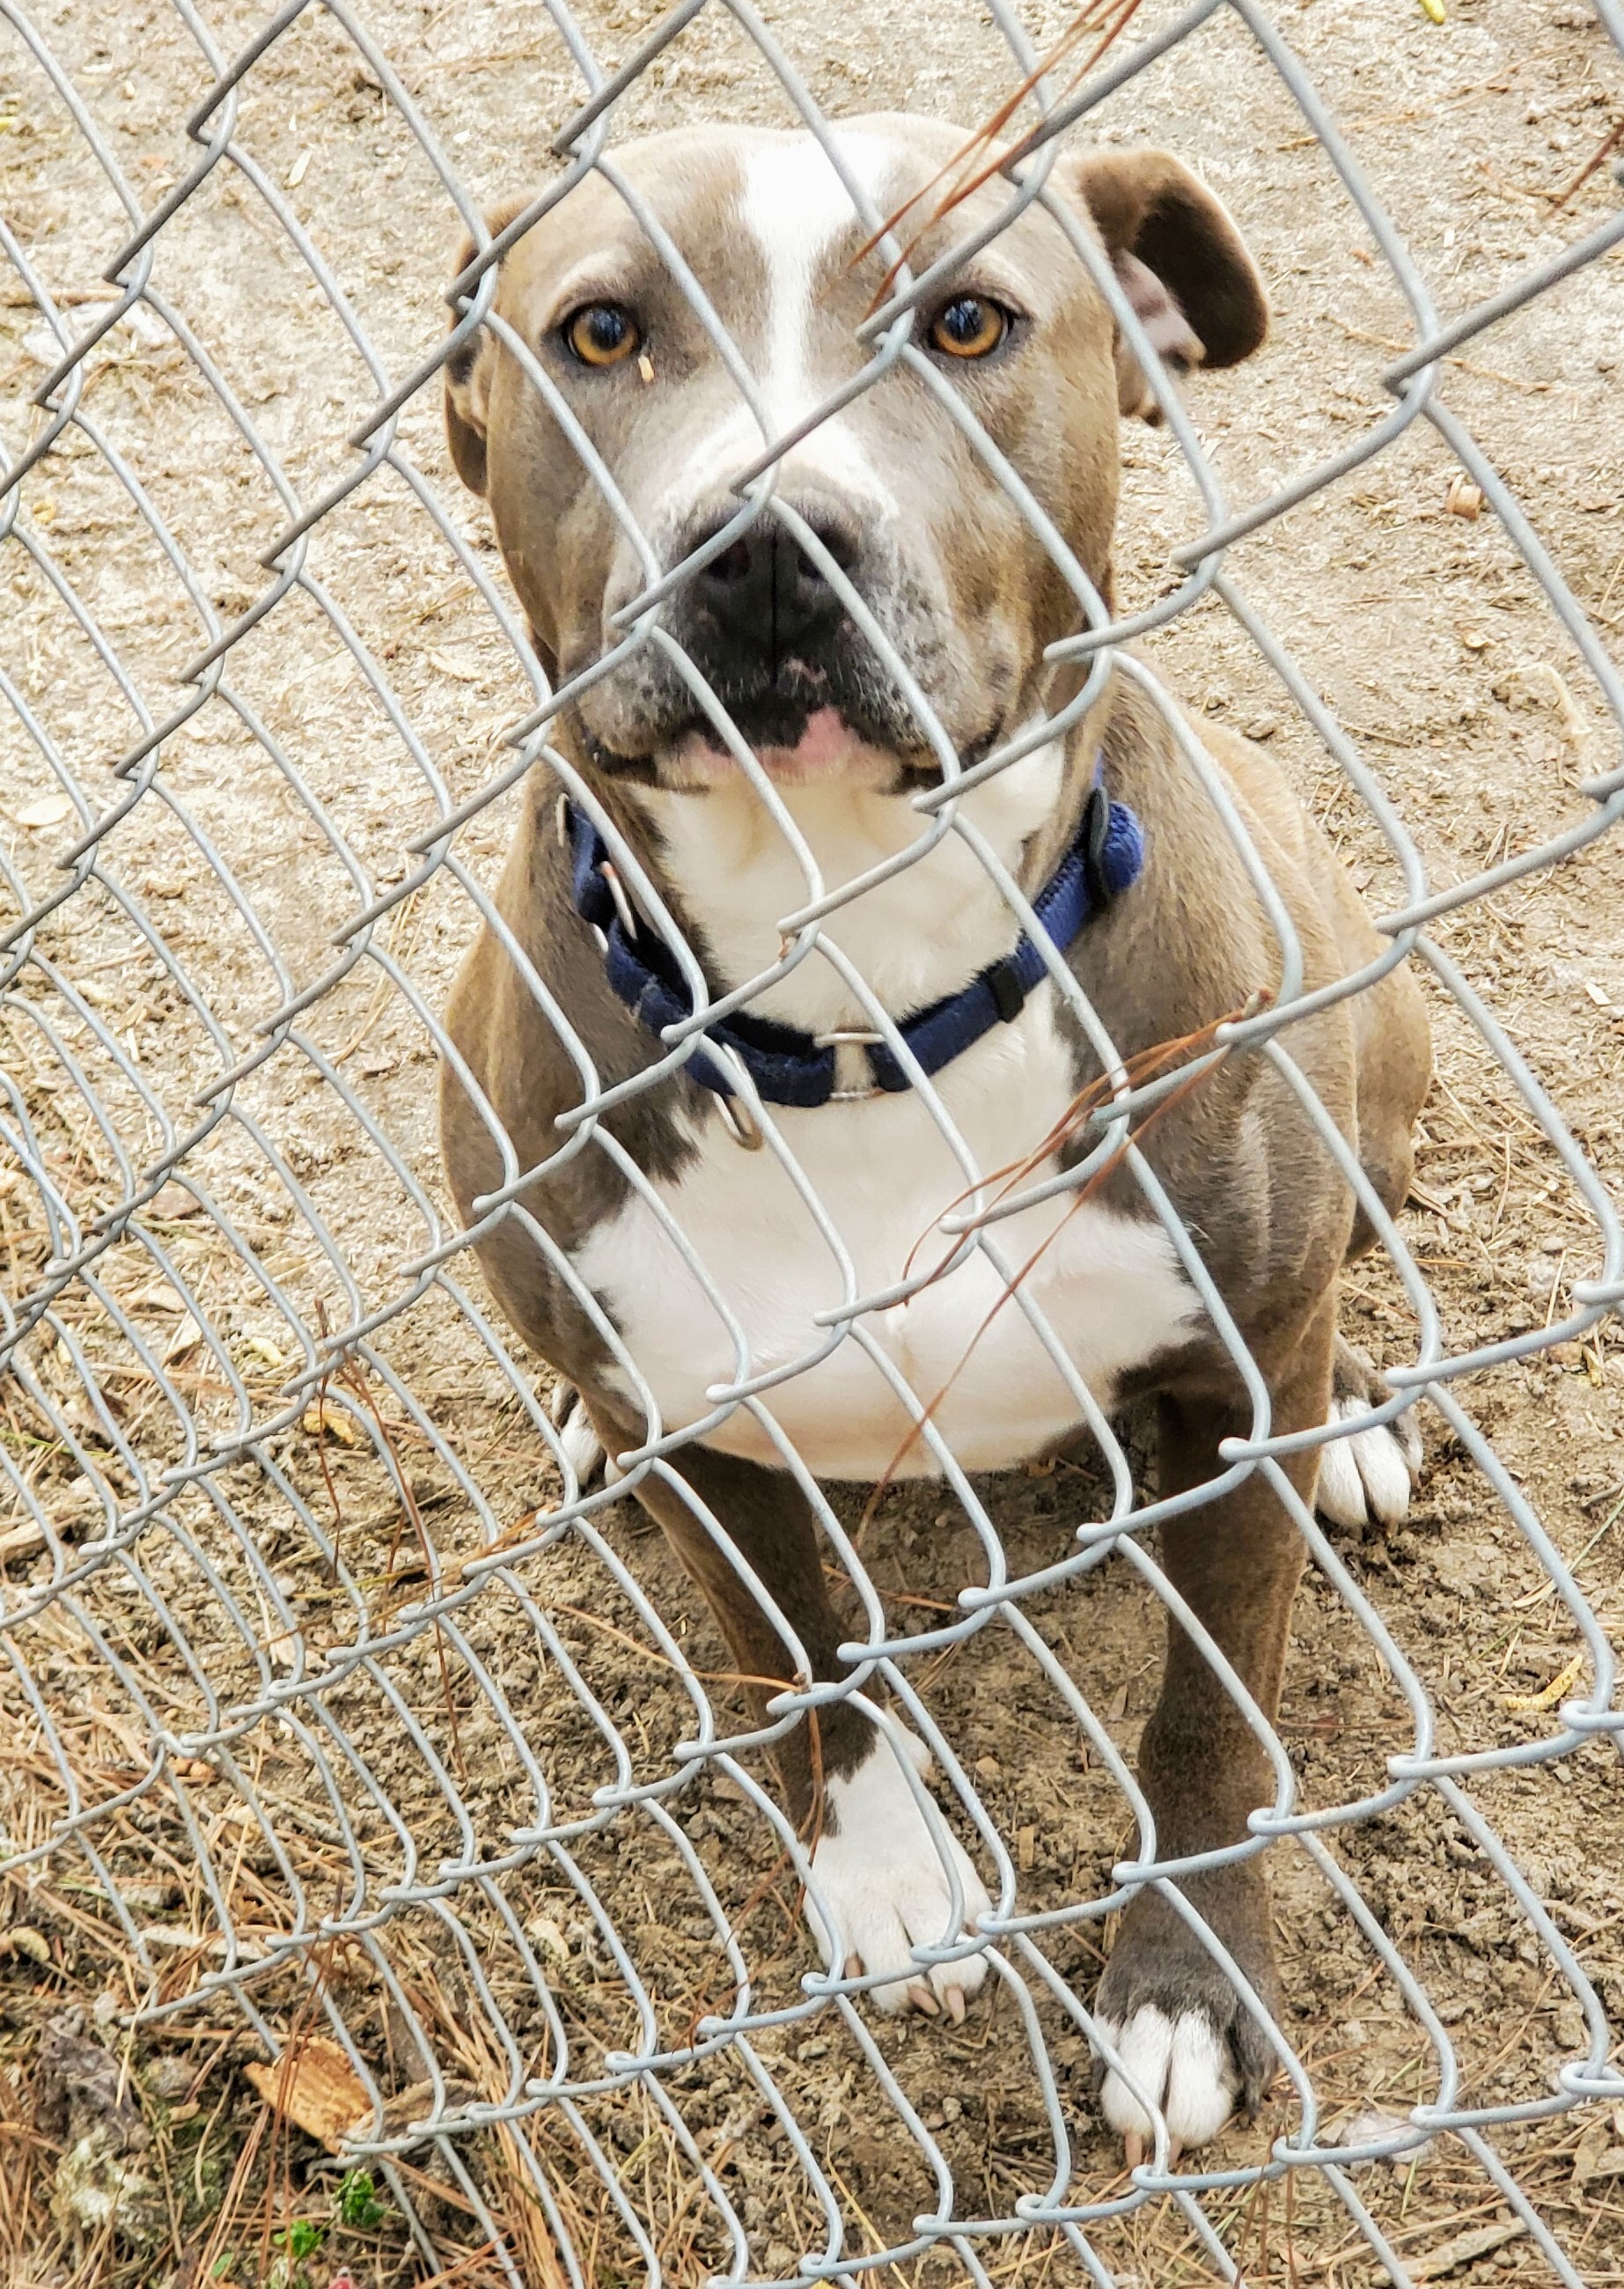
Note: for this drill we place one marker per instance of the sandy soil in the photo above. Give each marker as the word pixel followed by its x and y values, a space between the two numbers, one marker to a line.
pixel 1432 645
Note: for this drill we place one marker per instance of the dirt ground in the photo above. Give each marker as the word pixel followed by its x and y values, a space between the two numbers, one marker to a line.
pixel 282 805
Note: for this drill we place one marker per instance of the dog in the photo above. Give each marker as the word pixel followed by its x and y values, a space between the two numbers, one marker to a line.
pixel 595 348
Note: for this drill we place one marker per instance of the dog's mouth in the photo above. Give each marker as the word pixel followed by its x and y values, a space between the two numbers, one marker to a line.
pixel 805 728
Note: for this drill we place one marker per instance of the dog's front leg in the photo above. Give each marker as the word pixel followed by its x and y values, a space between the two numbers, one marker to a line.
pixel 1167 2008
pixel 875 1861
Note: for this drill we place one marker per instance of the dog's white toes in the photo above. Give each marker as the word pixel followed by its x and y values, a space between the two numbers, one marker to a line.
pixel 582 1450
pixel 1184 2065
pixel 1370 1476
pixel 881 1876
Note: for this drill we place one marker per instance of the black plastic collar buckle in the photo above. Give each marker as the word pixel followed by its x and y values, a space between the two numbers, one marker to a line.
pixel 1008 993
pixel 1096 832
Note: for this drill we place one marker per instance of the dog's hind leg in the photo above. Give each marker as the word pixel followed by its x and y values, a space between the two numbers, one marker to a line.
pixel 1368 1476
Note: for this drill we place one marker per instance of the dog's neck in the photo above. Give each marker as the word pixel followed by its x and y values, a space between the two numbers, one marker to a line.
pixel 921 933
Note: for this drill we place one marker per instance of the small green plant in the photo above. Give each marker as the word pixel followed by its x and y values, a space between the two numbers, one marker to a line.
pixel 302 2238
pixel 297 2242
pixel 358 2205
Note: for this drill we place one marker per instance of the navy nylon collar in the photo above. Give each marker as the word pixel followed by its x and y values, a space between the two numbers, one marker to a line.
pixel 788 1067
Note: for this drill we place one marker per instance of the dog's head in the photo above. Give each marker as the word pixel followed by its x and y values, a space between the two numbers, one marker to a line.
pixel 897 486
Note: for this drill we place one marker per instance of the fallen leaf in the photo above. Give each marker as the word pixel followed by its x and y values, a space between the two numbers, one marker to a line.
pixel 461 670
pixel 299 171
pixel 260 1347
pixel 187 1337
pixel 314 2087
pixel 1461 2250
pixel 321 1414
pixel 161 1296
pixel 171 1201
pixel 22 1939
pixel 45 811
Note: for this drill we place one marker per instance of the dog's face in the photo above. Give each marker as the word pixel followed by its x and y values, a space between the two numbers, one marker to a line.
pixel 894 485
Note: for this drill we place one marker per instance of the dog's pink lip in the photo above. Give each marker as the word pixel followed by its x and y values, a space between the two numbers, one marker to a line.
pixel 827 743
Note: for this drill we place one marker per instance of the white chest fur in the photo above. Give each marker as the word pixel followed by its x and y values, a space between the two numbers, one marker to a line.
pixel 1107 1289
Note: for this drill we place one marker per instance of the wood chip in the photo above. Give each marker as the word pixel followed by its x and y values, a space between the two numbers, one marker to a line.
pixel 21 1540
pixel 1534 1704
pixel 45 811
pixel 22 1939
pixel 161 1296
pixel 1026 1849
pixel 1594 2157
pixel 315 2088
pixel 1463 498
pixel 171 1202
pixel 322 1415
pixel 1435 2263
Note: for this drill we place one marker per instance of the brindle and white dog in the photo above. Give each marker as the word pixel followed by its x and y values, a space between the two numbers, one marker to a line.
pixel 970 598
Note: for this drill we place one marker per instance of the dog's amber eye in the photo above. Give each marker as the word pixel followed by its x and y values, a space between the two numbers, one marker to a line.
pixel 601 334
pixel 969 326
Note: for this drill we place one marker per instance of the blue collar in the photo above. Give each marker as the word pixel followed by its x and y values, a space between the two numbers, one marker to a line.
pixel 788 1067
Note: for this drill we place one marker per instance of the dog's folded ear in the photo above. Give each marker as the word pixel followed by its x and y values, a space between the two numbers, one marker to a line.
pixel 1180 259
pixel 469 372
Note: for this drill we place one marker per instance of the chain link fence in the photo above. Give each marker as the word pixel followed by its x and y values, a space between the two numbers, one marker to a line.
pixel 394 1887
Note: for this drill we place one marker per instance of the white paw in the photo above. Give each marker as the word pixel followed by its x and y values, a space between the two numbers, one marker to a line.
pixel 1182 2064
pixel 881 1877
pixel 1370 1475
pixel 582 1448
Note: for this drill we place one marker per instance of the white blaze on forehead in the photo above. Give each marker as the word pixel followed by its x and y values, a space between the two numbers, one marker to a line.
pixel 795 207
pixel 799 211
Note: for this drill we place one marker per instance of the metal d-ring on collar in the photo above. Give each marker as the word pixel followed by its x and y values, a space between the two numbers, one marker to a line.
pixel 789 1067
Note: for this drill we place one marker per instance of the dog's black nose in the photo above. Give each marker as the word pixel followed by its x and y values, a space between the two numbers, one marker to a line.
pixel 766 596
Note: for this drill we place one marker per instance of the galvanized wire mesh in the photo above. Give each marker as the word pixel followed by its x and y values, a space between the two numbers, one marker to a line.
pixel 343 1710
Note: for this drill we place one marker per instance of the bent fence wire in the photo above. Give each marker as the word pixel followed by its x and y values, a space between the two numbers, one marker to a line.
pixel 347 1724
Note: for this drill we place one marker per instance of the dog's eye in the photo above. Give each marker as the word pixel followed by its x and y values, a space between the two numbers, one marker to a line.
pixel 969 326
pixel 601 334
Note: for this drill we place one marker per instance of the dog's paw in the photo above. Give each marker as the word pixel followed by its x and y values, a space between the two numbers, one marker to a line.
pixel 1189 2044
pixel 881 1876
pixel 1183 2065
pixel 1369 1477
pixel 582 1448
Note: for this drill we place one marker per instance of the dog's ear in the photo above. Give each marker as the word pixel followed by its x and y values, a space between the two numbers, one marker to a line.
pixel 469 372
pixel 1182 263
